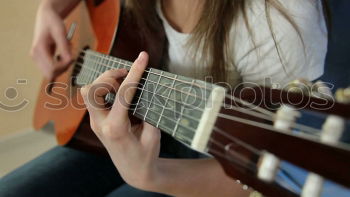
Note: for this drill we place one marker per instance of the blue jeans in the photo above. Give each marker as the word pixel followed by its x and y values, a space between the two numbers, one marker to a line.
pixel 64 171
pixel 67 172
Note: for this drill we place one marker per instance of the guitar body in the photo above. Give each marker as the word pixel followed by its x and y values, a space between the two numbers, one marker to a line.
pixel 101 26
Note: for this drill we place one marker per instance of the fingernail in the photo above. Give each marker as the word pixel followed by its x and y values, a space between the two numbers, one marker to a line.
pixel 140 57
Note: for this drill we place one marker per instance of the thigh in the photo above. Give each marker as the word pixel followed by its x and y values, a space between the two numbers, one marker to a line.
pixel 127 190
pixel 62 171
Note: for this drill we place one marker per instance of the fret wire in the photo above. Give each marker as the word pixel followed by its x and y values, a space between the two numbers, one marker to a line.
pixel 100 67
pixel 141 94
pixel 174 89
pixel 226 117
pixel 185 137
pixel 172 78
pixel 98 61
pixel 119 64
pixel 182 111
pixel 81 76
pixel 101 63
pixel 197 120
pixel 89 74
pixel 190 117
pixel 129 64
pixel 93 66
pixel 88 66
pixel 236 120
pixel 244 121
pixel 124 63
pixel 153 92
pixel 256 108
pixel 85 71
pixel 166 99
pixel 163 106
pixel 108 62
pixel 113 64
pixel 189 91
pixel 144 118
pixel 174 100
pixel 116 64
pixel 191 129
pixel 259 109
pixel 175 78
pixel 92 76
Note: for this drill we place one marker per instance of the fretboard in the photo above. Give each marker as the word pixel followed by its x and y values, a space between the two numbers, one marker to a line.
pixel 179 106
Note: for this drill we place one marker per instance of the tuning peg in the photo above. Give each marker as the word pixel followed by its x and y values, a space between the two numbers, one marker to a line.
pixel 319 89
pixel 332 129
pixel 313 186
pixel 255 194
pixel 285 118
pixel 268 166
pixel 343 95
pixel 322 90
pixel 300 86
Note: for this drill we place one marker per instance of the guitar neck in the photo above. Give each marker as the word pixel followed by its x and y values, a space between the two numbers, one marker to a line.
pixel 192 112
pixel 180 106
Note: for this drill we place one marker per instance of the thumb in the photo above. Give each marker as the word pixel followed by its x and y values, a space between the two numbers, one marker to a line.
pixel 150 136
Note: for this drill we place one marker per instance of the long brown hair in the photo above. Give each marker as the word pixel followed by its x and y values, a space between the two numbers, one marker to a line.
pixel 211 34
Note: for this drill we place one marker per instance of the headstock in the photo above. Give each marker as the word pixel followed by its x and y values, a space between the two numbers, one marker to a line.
pixel 257 128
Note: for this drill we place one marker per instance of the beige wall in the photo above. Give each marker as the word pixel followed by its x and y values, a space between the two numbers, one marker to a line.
pixel 16 27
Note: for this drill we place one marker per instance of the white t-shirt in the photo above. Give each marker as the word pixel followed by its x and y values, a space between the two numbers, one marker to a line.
pixel 257 65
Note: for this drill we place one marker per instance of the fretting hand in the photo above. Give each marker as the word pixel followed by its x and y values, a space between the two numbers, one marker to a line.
pixel 134 149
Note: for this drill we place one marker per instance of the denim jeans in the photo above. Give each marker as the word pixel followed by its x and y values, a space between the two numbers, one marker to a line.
pixel 64 171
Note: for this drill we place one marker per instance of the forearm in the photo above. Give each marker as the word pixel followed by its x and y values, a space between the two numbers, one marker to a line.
pixel 62 7
pixel 196 177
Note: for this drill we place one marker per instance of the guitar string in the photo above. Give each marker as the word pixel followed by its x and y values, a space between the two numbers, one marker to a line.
pixel 222 145
pixel 224 157
pixel 263 116
pixel 268 114
pixel 250 148
pixel 303 128
pixel 128 64
pixel 241 120
pixel 188 105
pixel 189 93
pixel 226 136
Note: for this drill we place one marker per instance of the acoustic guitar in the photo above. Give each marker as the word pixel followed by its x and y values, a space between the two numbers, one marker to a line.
pixel 249 130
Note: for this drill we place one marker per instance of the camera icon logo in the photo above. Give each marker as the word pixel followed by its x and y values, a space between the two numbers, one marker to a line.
pixel 11 93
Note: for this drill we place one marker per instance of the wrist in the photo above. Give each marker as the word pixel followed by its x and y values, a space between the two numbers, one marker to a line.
pixel 62 8
pixel 157 181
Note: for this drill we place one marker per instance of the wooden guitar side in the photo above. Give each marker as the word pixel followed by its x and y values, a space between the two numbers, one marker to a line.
pixel 97 23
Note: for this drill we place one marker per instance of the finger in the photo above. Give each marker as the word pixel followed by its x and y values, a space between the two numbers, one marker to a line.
pixel 95 93
pixel 128 88
pixel 41 54
pixel 63 47
pixel 150 137
pixel 113 73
